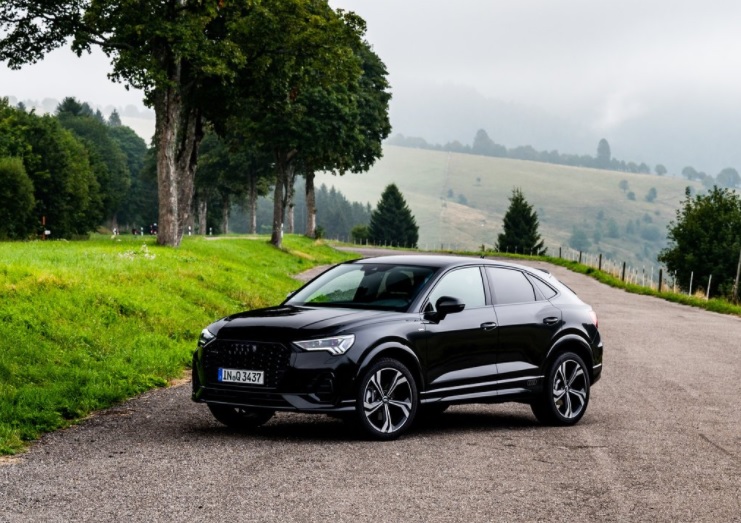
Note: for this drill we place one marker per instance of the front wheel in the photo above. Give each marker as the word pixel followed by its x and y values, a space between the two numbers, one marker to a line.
pixel 240 418
pixel 387 400
pixel 565 393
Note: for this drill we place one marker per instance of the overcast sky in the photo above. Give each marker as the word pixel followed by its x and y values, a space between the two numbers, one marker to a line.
pixel 604 66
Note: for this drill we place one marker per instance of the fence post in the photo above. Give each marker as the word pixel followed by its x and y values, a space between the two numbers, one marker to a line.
pixel 661 274
pixel 580 257
pixel 692 276
pixel 707 294
pixel 622 277
pixel 559 255
pixel 600 261
pixel 735 283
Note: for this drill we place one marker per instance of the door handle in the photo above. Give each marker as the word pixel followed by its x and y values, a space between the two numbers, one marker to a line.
pixel 490 325
pixel 551 320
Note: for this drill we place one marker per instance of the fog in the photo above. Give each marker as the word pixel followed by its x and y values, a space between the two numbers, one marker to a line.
pixel 659 80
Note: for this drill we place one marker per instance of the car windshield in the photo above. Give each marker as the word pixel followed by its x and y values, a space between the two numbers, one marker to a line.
pixel 365 286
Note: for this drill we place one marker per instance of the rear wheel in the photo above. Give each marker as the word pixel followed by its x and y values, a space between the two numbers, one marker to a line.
pixel 566 392
pixel 240 418
pixel 387 400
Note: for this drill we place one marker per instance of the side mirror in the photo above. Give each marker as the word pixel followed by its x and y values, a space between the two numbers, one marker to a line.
pixel 445 305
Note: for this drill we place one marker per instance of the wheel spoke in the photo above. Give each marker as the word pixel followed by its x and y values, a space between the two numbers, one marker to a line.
pixel 399 379
pixel 387 425
pixel 578 371
pixel 370 408
pixel 405 406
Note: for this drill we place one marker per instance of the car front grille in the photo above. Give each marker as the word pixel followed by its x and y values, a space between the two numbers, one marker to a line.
pixel 272 358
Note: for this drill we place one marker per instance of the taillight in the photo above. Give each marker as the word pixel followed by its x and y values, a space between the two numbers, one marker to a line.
pixel 594 318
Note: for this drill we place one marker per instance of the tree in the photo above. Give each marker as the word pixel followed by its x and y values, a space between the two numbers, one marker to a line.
pixel 728 177
pixel 705 239
pixel 651 195
pixel 16 200
pixel 623 184
pixel 485 146
pixel 520 232
pixel 66 192
pixel 392 222
pixel 690 173
pixel 174 50
pixel 660 169
pixel 106 158
pixel 306 47
pixel 603 154
pixel 579 240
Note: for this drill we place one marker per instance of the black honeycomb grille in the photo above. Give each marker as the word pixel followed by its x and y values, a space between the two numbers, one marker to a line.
pixel 272 358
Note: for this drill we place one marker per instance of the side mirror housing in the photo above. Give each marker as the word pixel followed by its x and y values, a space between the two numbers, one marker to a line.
pixel 445 305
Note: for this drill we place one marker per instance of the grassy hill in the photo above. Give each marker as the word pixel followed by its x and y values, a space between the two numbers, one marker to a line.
pixel 87 324
pixel 459 200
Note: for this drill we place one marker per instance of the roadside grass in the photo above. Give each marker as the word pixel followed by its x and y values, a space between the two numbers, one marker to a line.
pixel 85 325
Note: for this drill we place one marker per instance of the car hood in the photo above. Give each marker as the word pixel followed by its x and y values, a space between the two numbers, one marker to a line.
pixel 290 323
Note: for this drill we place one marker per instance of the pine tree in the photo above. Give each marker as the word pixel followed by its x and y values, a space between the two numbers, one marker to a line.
pixel 392 223
pixel 520 228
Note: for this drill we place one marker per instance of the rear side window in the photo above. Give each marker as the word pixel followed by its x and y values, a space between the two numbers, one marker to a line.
pixel 546 290
pixel 510 286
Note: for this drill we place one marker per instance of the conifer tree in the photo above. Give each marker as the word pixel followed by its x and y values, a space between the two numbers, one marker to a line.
pixel 392 222
pixel 520 228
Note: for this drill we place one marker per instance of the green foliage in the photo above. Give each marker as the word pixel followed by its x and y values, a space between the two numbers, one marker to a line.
pixel 631 195
pixel 623 184
pixel 66 191
pixel 107 160
pixel 520 228
pixel 705 239
pixel 485 146
pixel 660 169
pixel 88 324
pixel 392 222
pixel 16 200
pixel 360 233
pixel 651 194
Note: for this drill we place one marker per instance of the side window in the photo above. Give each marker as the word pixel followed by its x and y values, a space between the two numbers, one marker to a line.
pixel 546 290
pixel 465 285
pixel 510 286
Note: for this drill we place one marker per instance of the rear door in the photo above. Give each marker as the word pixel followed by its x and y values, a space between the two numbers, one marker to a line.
pixel 527 325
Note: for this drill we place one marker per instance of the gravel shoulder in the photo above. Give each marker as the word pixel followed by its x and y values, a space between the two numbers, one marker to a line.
pixel 661 442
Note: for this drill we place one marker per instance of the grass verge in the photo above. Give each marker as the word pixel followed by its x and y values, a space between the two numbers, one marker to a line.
pixel 85 325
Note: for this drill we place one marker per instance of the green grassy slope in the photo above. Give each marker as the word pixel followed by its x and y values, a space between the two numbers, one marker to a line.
pixel 88 324
pixel 564 197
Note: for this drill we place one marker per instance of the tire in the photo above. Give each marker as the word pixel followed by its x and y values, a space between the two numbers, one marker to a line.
pixel 565 393
pixel 240 418
pixel 387 400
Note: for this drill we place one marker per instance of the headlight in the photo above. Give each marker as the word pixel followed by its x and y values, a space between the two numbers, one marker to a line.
pixel 336 345
pixel 206 337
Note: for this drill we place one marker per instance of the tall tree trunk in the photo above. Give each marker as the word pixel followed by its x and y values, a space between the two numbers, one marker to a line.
pixel 167 107
pixel 283 181
pixel 253 205
pixel 202 215
pixel 178 131
pixel 225 214
pixel 310 206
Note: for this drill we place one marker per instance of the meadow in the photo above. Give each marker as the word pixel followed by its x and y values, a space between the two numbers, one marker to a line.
pixel 459 200
pixel 85 325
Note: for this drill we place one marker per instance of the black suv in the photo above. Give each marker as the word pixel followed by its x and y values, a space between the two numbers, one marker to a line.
pixel 377 340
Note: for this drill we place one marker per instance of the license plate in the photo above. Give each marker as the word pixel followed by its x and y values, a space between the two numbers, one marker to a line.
pixel 252 377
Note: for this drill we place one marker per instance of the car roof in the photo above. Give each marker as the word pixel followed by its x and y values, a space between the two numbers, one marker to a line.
pixel 437 260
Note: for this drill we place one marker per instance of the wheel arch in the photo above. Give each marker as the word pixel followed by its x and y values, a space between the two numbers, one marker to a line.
pixel 571 343
pixel 396 351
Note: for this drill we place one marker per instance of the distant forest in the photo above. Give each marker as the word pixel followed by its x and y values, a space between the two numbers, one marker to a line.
pixel 483 145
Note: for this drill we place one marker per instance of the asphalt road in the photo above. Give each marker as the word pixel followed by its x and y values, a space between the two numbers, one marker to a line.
pixel 661 441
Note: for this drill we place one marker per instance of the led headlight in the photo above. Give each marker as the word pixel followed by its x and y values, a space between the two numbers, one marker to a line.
pixel 206 337
pixel 336 345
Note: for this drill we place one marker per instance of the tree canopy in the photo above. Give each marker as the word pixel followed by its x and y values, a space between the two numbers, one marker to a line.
pixel 705 240
pixel 520 232
pixel 392 222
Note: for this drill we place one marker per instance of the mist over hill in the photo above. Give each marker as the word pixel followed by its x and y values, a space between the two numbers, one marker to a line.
pixel 668 132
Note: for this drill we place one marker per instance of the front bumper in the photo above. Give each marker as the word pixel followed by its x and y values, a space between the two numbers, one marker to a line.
pixel 294 380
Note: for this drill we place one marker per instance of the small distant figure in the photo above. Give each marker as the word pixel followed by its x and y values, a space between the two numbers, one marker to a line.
pixel 134 231
pixel 190 231
pixel 115 231
pixel 210 231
